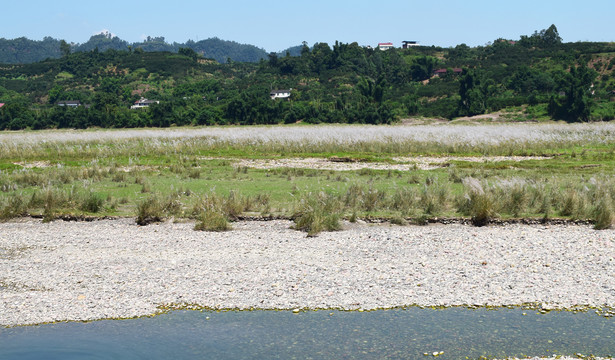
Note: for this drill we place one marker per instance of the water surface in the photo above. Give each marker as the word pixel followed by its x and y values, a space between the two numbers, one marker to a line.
pixel 383 334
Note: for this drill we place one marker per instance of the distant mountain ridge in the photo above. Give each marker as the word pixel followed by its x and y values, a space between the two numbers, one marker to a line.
pixel 23 51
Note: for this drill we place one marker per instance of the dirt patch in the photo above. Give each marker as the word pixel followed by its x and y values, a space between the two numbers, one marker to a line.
pixel 403 163
pixel 33 164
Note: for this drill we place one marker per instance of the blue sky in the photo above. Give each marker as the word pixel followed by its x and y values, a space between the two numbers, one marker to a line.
pixel 277 25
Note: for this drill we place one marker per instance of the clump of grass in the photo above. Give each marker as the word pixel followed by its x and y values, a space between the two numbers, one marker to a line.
pixel 146 188
pixel 513 196
pixel 372 199
pixel 52 200
pixel 91 202
pixel 421 220
pixel 316 213
pixel 603 215
pixel 12 207
pixel 433 197
pixel 476 203
pixel 212 212
pixel 404 200
pixel 570 203
pixel 194 173
pixel 235 204
pixel 212 220
pixel 398 220
pixel 149 211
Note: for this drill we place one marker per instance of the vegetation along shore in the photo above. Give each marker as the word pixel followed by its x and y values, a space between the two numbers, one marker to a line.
pixel 218 174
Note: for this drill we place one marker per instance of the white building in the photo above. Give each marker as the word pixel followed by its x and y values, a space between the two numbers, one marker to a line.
pixel 408 44
pixel 385 46
pixel 143 103
pixel 280 94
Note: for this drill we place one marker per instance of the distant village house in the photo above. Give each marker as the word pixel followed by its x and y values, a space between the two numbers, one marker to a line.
pixel 69 103
pixel 408 44
pixel 442 72
pixel 280 94
pixel 143 103
pixel 385 46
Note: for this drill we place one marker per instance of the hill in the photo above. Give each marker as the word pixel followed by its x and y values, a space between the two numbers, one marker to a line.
pixel 24 51
pixel 533 78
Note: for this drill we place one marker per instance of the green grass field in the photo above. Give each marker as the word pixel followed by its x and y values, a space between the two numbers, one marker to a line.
pixel 190 171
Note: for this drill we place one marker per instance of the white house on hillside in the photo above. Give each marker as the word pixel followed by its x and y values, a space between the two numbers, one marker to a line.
pixel 408 44
pixel 280 94
pixel 70 103
pixel 385 46
pixel 143 103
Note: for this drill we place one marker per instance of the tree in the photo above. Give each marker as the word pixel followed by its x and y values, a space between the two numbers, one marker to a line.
pixel 188 52
pixel 576 104
pixel 550 37
pixel 423 68
pixel 472 100
pixel 273 59
pixel 64 48
pixel 543 38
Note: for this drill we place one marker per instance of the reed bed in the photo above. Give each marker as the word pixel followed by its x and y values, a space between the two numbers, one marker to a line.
pixel 500 139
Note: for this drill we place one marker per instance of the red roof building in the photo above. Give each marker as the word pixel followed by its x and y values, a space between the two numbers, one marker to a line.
pixel 442 72
pixel 385 46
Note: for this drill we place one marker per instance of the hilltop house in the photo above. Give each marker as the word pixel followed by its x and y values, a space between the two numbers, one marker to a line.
pixel 407 44
pixel 69 103
pixel 385 46
pixel 442 72
pixel 280 94
pixel 143 103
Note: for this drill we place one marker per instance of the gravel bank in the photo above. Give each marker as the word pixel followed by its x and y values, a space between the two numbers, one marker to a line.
pixel 114 268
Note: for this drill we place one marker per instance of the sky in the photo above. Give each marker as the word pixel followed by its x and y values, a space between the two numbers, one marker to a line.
pixel 277 25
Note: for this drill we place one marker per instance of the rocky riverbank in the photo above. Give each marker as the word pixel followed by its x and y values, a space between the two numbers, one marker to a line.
pixel 115 269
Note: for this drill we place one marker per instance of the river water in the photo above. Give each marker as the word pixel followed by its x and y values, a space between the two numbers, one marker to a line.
pixel 383 334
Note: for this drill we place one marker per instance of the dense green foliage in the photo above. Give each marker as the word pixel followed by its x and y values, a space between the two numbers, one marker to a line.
pixel 537 76
pixel 25 51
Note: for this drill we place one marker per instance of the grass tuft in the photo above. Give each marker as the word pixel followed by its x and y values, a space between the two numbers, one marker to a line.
pixel 150 211
pixel 476 203
pixel 212 220
pixel 603 214
pixel 316 213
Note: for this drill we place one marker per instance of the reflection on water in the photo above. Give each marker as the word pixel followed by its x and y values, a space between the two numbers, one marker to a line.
pixel 383 334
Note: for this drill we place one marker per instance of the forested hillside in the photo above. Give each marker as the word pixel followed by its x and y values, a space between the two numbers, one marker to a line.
pixel 535 77
pixel 24 51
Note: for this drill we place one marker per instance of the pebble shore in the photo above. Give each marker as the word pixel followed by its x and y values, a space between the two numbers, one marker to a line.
pixel 115 269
